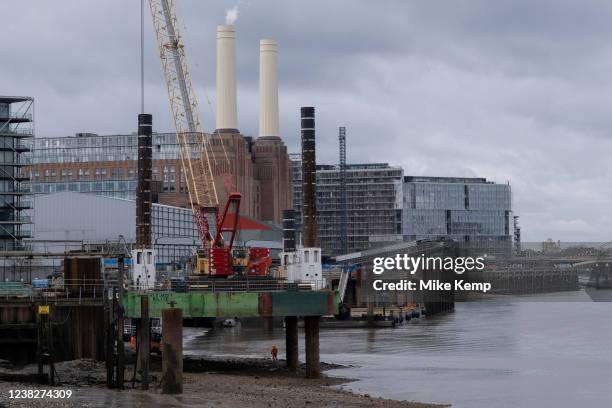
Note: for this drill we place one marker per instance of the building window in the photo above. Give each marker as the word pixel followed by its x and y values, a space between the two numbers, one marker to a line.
pixel 165 182
pixel 172 178
pixel 183 183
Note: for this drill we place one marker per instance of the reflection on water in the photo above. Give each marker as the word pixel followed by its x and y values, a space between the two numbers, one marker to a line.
pixel 491 353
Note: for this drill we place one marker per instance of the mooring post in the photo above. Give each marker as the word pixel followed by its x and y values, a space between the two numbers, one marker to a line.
pixel 291 341
pixel 39 345
pixel 172 350
pixel 50 351
pixel 120 323
pixel 311 331
pixel 145 344
pixel 137 345
pixel 108 338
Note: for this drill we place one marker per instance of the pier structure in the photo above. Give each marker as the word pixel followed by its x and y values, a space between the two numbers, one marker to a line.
pixel 85 307
pixel 361 285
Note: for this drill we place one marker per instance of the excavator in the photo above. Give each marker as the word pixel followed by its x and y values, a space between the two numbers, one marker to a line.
pixel 217 257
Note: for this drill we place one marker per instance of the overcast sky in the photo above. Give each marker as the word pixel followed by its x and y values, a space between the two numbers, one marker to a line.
pixel 514 91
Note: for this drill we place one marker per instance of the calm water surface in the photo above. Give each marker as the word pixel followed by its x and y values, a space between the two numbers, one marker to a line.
pixel 548 350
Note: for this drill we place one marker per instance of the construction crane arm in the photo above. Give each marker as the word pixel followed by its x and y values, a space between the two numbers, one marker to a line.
pixel 184 105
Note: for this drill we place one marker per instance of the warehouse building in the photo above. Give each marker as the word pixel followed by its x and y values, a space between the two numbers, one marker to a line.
pixel 69 220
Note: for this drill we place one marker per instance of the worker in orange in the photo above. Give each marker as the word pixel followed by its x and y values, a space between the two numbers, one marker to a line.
pixel 274 353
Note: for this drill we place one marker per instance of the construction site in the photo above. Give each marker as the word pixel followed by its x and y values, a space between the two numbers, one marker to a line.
pixel 181 231
pixel 133 265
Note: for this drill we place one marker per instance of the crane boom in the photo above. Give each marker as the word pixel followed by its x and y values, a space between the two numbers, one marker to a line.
pixel 215 256
pixel 186 114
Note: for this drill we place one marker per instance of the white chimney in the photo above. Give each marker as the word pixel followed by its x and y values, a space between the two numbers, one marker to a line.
pixel 227 117
pixel 268 89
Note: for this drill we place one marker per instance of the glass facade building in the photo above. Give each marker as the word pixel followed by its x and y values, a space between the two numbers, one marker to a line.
pixel 462 209
pixel 384 207
pixel 91 147
pixel 16 133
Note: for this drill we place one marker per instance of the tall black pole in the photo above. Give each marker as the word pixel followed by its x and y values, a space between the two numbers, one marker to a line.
pixel 145 173
pixel 309 177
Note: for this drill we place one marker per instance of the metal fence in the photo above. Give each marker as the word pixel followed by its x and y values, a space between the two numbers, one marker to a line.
pixel 95 289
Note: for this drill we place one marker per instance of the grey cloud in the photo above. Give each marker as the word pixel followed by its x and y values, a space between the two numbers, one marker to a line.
pixel 514 91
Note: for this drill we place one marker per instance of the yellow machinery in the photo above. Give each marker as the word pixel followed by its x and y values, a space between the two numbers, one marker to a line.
pixel 202 263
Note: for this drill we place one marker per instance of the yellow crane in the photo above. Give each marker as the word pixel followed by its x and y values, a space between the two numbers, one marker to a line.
pixel 195 162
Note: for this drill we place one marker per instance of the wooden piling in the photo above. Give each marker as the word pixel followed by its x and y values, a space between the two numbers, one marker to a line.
pixel 145 342
pixel 39 345
pixel 50 352
pixel 172 351
pixel 120 323
pixel 291 341
pixel 311 332
pixel 109 340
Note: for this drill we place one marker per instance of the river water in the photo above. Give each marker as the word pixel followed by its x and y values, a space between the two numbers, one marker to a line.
pixel 551 350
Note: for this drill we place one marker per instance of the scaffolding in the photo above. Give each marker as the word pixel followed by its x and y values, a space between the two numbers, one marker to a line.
pixel 343 203
pixel 373 206
pixel 517 236
pixel 16 134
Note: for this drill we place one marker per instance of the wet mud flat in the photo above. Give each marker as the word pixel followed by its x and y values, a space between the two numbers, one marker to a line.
pixel 207 382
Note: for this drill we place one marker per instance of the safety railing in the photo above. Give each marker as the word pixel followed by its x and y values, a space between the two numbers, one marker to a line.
pixel 16 115
pixel 26 131
pixel 17 144
pixel 88 289
pixel 252 286
pixel 14 219
pixel 49 290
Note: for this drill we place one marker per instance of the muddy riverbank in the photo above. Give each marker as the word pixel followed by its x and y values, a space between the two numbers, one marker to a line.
pixel 208 382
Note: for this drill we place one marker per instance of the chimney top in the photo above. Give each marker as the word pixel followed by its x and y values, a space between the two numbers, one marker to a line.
pixel 268 89
pixel 225 28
